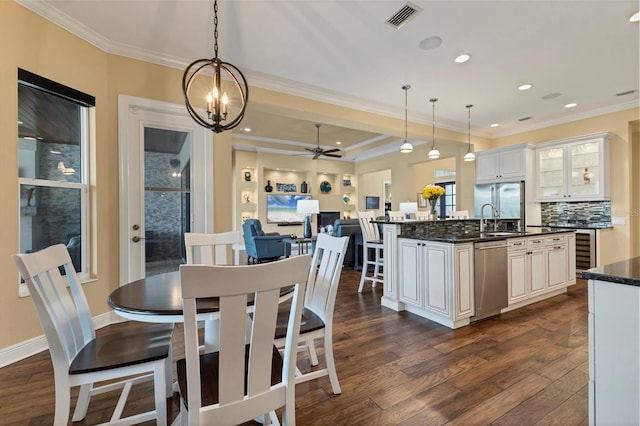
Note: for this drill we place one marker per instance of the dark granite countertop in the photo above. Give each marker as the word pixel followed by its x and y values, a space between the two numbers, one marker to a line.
pixel 623 272
pixel 569 225
pixel 473 237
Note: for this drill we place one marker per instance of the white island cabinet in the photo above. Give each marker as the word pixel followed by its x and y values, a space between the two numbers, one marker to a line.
pixel 434 277
pixel 614 343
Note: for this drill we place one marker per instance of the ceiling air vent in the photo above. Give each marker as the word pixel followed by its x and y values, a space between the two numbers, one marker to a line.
pixel 524 119
pixel 407 12
pixel 628 92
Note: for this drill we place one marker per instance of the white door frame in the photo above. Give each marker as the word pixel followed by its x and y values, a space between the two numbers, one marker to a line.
pixel 134 114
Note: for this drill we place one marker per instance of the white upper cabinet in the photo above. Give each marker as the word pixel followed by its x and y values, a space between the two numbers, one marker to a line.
pixel 506 164
pixel 575 169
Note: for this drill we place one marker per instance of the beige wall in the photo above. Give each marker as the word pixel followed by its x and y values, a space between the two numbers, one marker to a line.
pixel 36 45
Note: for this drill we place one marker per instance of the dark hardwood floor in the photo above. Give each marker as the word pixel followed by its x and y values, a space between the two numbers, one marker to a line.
pixel 525 367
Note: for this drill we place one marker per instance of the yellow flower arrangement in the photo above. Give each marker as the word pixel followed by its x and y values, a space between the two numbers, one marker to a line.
pixel 431 193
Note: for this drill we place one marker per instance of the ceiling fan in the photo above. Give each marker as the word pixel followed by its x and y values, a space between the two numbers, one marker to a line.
pixel 317 151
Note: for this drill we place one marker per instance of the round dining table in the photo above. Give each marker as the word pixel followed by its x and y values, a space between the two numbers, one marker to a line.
pixel 158 299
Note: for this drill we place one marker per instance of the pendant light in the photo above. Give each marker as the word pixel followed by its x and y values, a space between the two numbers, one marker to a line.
pixel 469 156
pixel 406 146
pixel 434 153
pixel 216 101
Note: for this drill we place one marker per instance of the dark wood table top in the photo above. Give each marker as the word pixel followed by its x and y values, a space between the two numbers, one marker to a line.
pixel 160 295
pixel 157 295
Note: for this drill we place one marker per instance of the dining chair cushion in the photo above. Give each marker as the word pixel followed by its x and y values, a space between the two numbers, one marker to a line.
pixel 209 372
pixel 309 322
pixel 129 347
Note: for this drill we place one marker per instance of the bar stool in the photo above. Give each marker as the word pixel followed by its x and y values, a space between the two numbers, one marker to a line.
pixel 371 240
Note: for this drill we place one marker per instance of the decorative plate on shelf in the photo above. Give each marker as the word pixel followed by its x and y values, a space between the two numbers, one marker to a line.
pixel 325 187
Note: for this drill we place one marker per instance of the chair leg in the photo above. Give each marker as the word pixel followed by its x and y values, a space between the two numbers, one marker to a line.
pixel 83 402
pixel 63 403
pixel 313 356
pixel 160 388
pixel 331 364
pixel 365 266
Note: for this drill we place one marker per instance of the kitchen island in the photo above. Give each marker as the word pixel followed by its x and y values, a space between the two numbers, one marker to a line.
pixel 430 267
pixel 614 343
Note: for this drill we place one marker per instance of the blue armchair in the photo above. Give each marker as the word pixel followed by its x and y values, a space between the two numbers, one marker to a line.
pixel 261 246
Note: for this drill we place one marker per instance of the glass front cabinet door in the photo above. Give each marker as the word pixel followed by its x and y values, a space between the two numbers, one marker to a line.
pixel 575 169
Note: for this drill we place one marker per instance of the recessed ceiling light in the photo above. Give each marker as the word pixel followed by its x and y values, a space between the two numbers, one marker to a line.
pixel 525 86
pixel 550 96
pixel 635 17
pixel 571 105
pixel 494 125
pixel 338 143
pixel 462 58
pixel 247 129
pixel 430 43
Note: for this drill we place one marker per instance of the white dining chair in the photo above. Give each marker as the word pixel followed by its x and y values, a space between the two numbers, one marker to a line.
pixel 242 381
pixel 212 249
pixel 370 240
pixel 396 216
pixel 79 357
pixel 319 303
pixel 422 214
pixel 459 214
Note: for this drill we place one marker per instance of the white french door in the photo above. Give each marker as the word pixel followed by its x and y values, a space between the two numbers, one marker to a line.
pixel 166 181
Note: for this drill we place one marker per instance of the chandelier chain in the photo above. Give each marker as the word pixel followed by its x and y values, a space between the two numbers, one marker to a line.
pixel 215 29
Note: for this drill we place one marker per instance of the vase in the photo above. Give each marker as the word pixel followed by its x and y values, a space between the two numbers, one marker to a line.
pixel 268 188
pixel 247 176
pixel 303 187
pixel 433 216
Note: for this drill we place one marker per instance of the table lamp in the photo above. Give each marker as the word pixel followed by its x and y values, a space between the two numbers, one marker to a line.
pixel 408 208
pixel 308 207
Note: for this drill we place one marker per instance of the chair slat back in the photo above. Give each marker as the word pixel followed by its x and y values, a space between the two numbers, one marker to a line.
pixel 234 285
pixel 64 314
pixel 459 214
pixel 370 231
pixel 396 216
pixel 324 275
pixel 211 249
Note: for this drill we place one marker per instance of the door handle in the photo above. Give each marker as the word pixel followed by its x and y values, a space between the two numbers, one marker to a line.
pixel 136 239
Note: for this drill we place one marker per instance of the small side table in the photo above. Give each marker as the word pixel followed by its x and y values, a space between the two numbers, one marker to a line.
pixel 305 245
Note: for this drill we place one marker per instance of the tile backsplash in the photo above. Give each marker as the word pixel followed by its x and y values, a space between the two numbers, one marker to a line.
pixel 596 213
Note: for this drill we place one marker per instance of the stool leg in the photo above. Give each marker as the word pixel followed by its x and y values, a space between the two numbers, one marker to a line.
pixel 365 266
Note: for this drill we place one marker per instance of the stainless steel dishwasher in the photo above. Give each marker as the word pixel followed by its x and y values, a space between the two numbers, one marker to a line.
pixel 491 278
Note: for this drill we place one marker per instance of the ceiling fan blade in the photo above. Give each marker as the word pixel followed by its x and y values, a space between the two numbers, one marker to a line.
pixel 332 155
pixel 315 156
pixel 332 150
pixel 310 150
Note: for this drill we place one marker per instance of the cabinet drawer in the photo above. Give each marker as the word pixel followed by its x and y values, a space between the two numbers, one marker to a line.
pixel 535 242
pixel 555 240
pixel 515 244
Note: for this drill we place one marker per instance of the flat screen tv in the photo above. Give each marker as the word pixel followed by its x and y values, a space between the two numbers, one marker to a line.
pixel 371 203
pixel 281 208
pixel 327 218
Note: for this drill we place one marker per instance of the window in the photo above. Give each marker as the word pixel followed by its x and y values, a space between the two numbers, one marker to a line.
pixel 53 139
pixel 447 202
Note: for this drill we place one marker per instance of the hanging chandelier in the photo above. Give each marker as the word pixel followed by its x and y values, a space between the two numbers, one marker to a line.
pixel 434 153
pixel 469 156
pixel 406 146
pixel 203 89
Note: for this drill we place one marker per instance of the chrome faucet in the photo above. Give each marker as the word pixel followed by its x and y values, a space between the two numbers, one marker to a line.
pixel 494 212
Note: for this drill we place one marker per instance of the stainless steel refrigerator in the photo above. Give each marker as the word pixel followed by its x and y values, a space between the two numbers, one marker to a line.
pixel 507 197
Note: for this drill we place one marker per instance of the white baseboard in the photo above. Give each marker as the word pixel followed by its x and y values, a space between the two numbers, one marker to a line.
pixel 22 350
